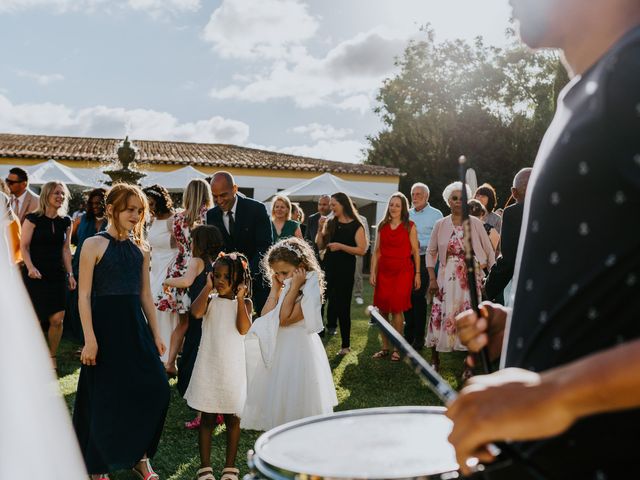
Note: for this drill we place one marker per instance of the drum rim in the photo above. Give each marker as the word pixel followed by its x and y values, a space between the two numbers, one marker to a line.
pixel 268 435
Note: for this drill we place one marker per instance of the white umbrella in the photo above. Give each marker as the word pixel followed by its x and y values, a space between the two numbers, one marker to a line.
pixel 175 180
pixel 35 430
pixel 328 184
pixel 51 170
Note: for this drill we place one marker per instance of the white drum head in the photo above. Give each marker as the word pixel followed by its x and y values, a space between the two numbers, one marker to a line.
pixel 394 442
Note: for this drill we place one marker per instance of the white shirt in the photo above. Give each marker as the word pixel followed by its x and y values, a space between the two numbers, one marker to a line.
pixel 225 215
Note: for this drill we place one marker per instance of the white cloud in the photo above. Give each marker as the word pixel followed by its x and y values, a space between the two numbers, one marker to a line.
pixel 340 150
pixel 43 79
pixel 102 121
pixel 347 77
pixel 317 131
pixel 154 8
pixel 260 28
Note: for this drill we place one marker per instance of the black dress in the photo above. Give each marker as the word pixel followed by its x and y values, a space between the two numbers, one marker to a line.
pixel 194 333
pixel 48 294
pixel 339 269
pixel 122 401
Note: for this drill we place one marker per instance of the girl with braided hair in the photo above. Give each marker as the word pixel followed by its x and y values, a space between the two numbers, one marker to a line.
pixel 288 372
pixel 218 383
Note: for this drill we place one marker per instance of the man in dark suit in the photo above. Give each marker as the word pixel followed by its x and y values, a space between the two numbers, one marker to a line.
pixel 502 271
pixel 312 221
pixel 245 227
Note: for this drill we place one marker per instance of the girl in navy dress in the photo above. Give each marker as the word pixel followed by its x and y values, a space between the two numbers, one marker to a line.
pixel 123 393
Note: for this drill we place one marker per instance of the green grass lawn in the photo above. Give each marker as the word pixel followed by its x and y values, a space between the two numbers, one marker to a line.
pixel 361 382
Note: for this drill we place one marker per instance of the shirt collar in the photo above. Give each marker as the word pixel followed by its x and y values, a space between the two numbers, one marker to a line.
pixel 21 196
pixel 426 207
pixel 235 205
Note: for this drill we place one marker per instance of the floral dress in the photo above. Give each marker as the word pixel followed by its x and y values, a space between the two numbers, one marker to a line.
pixel 174 299
pixel 452 297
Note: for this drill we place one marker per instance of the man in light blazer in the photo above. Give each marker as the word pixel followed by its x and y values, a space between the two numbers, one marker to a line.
pixel 23 201
pixel 245 226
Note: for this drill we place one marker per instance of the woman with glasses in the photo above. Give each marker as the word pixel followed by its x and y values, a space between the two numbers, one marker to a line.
pixel 46 249
pixel 450 288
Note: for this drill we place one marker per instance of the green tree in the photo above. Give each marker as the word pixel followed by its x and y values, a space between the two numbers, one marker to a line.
pixel 451 98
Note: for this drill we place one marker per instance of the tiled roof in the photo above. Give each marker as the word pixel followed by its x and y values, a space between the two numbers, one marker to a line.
pixel 173 153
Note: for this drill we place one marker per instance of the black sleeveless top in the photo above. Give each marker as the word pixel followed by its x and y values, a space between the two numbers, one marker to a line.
pixel 119 271
pixel 340 261
pixel 49 235
pixel 200 281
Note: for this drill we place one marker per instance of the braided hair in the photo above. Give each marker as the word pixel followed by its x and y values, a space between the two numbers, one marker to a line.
pixel 238 270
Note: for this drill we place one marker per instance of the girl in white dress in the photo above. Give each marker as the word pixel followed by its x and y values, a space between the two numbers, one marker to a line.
pixel 219 382
pixel 288 372
pixel 164 250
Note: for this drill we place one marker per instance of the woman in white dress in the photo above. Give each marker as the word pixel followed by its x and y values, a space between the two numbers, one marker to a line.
pixel 163 254
pixel 288 372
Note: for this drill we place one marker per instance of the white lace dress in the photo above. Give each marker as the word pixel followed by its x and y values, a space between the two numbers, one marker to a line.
pixel 162 257
pixel 219 380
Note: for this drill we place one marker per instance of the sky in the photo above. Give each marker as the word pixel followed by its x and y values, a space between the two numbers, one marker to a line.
pixel 294 76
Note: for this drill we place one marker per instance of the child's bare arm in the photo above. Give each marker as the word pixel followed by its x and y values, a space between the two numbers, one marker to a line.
pixel 243 318
pixel 193 270
pixel 291 311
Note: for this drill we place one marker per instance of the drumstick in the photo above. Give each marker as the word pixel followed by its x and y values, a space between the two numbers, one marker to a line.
pixel 443 390
pixel 426 372
pixel 470 259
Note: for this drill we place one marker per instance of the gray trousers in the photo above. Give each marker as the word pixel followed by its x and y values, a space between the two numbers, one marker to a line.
pixel 357 277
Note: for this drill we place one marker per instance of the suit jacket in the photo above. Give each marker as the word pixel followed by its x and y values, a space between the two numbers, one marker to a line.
pixel 30 204
pixel 252 230
pixel 312 230
pixel 502 272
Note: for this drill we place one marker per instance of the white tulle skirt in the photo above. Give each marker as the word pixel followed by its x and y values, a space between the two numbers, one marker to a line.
pixel 299 383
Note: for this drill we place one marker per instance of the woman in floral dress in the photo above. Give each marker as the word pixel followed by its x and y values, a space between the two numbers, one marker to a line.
pixel 450 287
pixel 196 200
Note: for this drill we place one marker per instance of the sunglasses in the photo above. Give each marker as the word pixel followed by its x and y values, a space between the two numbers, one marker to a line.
pixel 11 182
pixel 455 198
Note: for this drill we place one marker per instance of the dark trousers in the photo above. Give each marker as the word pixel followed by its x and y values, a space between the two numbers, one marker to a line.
pixel 339 292
pixel 415 319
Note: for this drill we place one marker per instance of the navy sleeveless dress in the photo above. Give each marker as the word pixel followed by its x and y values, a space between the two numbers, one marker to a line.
pixel 122 401
pixel 193 335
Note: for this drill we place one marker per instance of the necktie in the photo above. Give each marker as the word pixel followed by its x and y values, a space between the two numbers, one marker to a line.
pixel 231 222
pixel 14 205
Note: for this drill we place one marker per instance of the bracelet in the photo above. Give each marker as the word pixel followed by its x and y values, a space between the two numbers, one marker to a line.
pixel 69 274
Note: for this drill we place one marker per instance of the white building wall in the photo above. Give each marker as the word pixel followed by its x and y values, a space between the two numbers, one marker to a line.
pixel 265 187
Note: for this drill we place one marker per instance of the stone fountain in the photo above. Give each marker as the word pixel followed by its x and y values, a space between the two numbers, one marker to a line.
pixel 125 174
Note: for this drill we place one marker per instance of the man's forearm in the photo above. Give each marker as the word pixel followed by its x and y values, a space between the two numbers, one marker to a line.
pixel 602 382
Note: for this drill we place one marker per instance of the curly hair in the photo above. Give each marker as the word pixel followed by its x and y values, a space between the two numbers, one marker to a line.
pixel 238 270
pixel 476 208
pixel 293 251
pixel 164 203
pixel 101 194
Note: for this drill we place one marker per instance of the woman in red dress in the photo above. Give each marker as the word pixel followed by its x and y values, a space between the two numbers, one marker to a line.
pixel 395 266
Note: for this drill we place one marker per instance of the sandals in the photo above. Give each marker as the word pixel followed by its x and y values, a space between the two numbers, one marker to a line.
pixel 395 356
pixel 230 473
pixel 150 475
pixel 205 473
pixel 381 354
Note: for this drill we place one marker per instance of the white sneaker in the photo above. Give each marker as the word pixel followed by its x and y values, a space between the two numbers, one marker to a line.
pixel 359 300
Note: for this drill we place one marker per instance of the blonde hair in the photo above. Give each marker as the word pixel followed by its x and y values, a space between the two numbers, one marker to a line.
pixel 47 189
pixel 283 199
pixel 293 251
pixel 196 195
pixel 118 197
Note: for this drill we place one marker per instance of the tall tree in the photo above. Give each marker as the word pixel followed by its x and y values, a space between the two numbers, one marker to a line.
pixel 451 98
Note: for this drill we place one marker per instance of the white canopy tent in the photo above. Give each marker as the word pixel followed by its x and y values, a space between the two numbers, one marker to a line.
pixel 327 184
pixel 175 180
pixel 54 171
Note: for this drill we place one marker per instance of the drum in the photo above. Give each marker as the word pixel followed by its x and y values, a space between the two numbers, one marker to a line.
pixel 373 443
